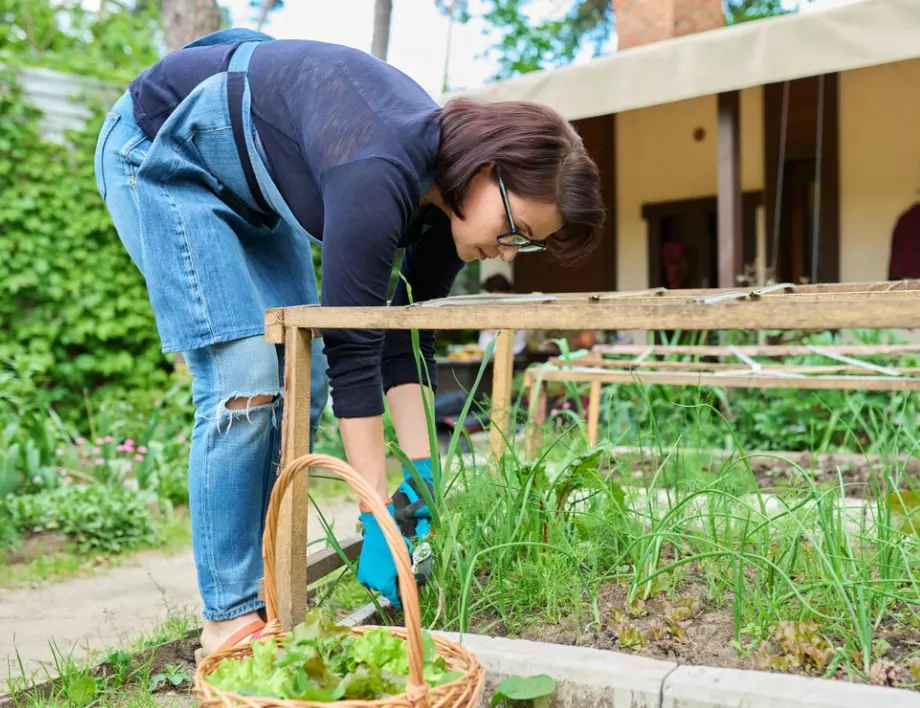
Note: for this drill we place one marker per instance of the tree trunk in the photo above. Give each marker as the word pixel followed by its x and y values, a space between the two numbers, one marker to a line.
pixel 383 9
pixel 187 20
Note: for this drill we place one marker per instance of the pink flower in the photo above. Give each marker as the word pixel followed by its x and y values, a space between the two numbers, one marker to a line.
pixel 120 448
pixel 566 405
pixel 68 480
pixel 129 443
pixel 99 462
pixel 96 451
pixel 128 468
pixel 99 441
pixel 79 441
pixel 139 458
pixel 554 411
pixel 142 449
pixel 109 438
pixel 182 440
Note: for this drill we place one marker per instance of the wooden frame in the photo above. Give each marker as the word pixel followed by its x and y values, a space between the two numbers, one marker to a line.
pixel 849 374
pixel 782 306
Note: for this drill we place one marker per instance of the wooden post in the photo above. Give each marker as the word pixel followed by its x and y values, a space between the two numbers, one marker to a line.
pixel 291 551
pixel 730 230
pixel 761 260
pixel 594 412
pixel 536 414
pixel 502 374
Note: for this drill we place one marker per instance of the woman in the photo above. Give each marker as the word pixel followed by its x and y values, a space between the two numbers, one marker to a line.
pixel 220 165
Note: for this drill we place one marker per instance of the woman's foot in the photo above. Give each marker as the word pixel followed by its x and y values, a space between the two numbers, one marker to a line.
pixel 215 634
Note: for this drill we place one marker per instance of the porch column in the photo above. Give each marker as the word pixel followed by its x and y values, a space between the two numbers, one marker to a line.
pixel 730 244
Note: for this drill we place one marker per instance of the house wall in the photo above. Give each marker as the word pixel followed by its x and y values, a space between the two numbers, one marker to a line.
pixel 63 99
pixel 660 160
pixel 879 163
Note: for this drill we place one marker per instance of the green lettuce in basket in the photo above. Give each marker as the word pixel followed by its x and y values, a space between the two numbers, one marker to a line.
pixel 324 662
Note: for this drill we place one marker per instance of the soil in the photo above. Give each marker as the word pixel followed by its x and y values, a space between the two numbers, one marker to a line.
pixel 775 471
pixel 34 545
pixel 689 628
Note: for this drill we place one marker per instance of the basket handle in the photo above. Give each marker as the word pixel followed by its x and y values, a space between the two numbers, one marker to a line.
pixel 416 687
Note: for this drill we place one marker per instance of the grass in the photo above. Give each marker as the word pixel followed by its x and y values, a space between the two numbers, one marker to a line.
pixel 694 560
pixel 797 578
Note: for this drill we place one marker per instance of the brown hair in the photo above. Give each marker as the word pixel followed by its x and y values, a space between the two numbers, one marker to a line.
pixel 540 156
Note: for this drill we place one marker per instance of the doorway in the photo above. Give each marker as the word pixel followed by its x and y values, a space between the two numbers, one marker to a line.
pixel 683 246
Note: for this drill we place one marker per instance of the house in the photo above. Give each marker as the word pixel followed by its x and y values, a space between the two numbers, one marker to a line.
pixel 786 148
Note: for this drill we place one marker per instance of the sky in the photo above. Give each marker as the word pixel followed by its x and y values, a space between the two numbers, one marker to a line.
pixel 418 33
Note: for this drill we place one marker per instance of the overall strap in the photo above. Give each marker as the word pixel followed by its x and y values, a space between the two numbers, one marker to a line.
pixel 239 61
pixel 236 87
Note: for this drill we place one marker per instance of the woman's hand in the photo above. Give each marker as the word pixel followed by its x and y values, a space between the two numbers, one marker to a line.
pixel 410 508
pixel 376 568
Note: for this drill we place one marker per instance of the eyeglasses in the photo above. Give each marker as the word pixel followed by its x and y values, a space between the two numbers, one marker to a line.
pixel 514 237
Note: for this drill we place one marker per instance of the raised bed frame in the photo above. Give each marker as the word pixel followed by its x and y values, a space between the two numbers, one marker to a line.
pixel 850 373
pixel 786 306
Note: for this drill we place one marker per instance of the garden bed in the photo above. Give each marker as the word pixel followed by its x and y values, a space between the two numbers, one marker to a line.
pixel 773 471
pixel 688 628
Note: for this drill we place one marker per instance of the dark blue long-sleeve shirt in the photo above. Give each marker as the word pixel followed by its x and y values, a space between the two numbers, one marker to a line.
pixel 351 144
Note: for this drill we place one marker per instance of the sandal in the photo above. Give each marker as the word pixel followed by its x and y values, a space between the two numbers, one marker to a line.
pixel 244 635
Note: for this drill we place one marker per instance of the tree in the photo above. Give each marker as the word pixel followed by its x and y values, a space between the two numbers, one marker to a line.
pixel 527 46
pixel 114 43
pixel 265 8
pixel 383 12
pixel 187 20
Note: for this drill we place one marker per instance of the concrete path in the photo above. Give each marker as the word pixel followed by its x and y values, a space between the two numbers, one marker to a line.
pixel 111 608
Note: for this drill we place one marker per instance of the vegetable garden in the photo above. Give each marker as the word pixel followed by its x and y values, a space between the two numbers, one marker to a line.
pixel 651 541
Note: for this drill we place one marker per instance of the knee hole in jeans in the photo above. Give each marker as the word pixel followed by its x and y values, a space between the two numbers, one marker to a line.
pixel 241 407
pixel 243 402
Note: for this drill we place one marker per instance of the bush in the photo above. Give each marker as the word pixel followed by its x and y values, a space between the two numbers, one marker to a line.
pixel 76 317
pixel 99 519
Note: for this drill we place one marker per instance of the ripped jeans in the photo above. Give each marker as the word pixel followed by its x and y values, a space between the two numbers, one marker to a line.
pixel 233 465
pixel 181 206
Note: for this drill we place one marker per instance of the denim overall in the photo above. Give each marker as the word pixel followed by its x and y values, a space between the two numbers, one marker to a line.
pixel 216 244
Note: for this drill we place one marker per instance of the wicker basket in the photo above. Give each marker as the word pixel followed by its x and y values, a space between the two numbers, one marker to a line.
pixel 462 693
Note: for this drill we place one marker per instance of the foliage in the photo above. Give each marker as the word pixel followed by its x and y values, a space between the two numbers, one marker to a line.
pixel 763 419
pixel 76 317
pixel 523 688
pixel 100 519
pixel 66 36
pixel 528 44
pixel 321 661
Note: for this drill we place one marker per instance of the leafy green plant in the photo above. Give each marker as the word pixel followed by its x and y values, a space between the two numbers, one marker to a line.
pixel 321 661
pixel 538 689
pixel 174 674
pixel 99 519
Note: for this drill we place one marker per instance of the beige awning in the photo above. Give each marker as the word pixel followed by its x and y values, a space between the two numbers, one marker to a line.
pixel 865 33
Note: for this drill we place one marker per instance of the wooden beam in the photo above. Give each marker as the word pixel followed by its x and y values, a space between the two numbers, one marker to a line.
pixel 291 548
pixel 740 380
pixel 797 313
pixel 771 350
pixel 731 243
pixel 326 561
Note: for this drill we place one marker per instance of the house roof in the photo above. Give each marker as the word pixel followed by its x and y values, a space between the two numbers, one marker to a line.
pixel 864 33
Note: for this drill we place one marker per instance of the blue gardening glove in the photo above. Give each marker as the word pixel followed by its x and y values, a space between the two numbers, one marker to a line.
pixel 376 569
pixel 411 512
